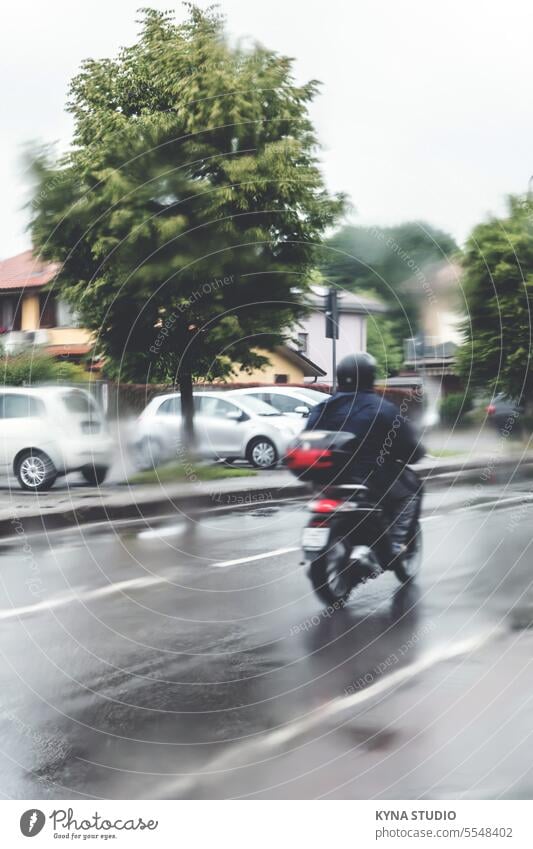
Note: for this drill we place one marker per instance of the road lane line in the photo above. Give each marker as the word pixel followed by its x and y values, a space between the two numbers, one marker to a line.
pixel 90 595
pixel 431 517
pixel 515 499
pixel 222 564
pixel 264 746
pixel 163 531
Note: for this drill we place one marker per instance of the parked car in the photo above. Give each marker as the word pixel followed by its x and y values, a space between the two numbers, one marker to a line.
pixel 503 411
pixel 46 432
pixel 231 428
pixel 292 401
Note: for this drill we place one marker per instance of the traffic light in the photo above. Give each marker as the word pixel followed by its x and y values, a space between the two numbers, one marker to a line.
pixel 332 315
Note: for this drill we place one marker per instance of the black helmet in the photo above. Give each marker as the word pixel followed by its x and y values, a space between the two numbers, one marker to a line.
pixel 356 371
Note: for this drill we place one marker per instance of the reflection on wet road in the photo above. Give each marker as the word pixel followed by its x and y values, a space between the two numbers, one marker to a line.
pixel 190 659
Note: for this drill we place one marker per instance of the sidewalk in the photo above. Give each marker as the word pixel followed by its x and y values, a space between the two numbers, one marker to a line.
pixel 22 512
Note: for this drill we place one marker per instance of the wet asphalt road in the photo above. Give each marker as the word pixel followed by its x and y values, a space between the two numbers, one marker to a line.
pixel 142 662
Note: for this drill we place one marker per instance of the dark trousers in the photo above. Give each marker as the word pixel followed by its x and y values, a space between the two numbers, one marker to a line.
pixel 403 502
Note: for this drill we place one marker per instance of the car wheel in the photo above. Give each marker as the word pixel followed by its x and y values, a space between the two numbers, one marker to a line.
pixel 95 474
pixel 262 453
pixel 35 471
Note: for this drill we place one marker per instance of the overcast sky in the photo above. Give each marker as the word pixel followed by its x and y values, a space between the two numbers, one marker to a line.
pixel 425 111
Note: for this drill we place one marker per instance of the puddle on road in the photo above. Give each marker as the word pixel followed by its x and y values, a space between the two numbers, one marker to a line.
pixel 264 511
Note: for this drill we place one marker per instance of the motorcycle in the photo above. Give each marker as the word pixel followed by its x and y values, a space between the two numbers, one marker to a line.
pixel 346 540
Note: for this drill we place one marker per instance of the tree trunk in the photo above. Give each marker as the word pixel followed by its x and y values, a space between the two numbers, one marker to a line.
pixel 187 411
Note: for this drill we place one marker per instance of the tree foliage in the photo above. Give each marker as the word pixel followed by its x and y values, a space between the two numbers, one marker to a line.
pixel 395 264
pixel 190 204
pixel 498 292
pixel 383 343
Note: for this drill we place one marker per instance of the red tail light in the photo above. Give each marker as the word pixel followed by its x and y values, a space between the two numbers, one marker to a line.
pixel 490 409
pixel 302 458
pixel 325 505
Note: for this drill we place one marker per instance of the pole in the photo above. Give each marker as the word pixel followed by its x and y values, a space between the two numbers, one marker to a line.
pixel 334 364
pixel 332 330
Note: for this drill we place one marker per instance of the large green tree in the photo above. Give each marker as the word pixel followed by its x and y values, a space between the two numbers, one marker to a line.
pixel 188 211
pixel 393 263
pixel 498 291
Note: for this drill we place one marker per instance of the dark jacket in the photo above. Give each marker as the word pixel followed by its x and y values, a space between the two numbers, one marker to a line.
pixel 386 440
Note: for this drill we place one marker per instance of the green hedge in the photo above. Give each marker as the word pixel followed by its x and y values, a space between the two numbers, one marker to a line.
pixel 454 407
pixel 28 368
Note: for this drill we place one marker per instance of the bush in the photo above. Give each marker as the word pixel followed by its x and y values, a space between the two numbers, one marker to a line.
pixel 454 407
pixel 30 368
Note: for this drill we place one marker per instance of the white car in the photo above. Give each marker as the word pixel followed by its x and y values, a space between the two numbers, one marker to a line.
pixel 226 427
pixel 50 431
pixel 294 401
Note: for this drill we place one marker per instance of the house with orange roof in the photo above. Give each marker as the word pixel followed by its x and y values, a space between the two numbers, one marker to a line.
pixel 31 314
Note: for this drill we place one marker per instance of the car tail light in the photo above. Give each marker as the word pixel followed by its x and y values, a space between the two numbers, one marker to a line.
pixel 490 409
pixel 302 458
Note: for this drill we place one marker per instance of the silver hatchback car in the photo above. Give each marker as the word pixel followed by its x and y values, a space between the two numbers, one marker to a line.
pixel 231 428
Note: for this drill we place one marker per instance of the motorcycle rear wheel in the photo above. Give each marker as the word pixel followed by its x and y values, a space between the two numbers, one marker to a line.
pixel 407 569
pixel 331 575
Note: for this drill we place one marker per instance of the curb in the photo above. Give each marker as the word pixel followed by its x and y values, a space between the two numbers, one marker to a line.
pixel 223 501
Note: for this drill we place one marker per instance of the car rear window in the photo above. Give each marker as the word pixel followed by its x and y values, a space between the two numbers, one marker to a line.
pixel 79 402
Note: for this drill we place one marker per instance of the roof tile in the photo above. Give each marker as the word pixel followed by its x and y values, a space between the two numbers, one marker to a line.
pixel 25 271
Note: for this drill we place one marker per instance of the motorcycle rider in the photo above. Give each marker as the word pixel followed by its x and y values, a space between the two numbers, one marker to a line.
pixel 386 444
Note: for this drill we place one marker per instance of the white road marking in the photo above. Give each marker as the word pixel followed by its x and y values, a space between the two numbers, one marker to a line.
pixel 264 746
pixel 141 583
pixel 90 595
pixel 515 499
pixel 223 564
pixel 164 531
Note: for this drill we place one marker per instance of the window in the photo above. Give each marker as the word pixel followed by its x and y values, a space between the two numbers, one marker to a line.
pixel 281 378
pixel 315 396
pixel 17 318
pixel 254 404
pixel 8 305
pixel 78 402
pixel 10 312
pixel 170 407
pixel 47 310
pixel 285 403
pixel 65 315
pixel 210 406
pixel 21 407
pixel 303 342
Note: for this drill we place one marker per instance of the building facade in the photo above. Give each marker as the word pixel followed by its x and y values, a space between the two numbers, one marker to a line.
pixel 353 312
pixel 308 355
pixel 30 313
pixel 432 353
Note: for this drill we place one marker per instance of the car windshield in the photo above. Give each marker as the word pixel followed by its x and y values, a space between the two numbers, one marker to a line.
pixel 256 406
